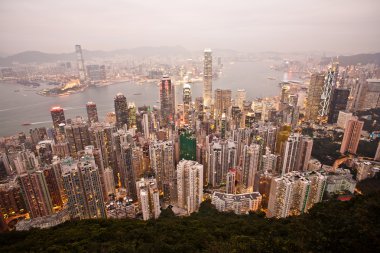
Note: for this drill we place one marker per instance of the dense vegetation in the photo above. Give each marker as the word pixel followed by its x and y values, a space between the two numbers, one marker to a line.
pixel 325 150
pixel 352 226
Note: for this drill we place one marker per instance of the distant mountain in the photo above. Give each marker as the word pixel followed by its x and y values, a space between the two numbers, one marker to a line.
pixel 355 59
pixel 37 57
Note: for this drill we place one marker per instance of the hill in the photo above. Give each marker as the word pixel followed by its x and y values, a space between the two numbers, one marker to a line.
pixel 352 226
pixel 355 59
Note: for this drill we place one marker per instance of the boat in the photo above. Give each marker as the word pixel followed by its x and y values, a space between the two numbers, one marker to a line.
pixel 17 90
pixel 271 78
pixel 136 94
pixel 26 124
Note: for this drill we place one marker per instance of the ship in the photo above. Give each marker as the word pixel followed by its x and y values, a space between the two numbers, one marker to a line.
pixel 26 124
pixel 136 94
pixel 271 78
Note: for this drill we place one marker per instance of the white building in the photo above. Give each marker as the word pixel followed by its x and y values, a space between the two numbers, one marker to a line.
pixel 237 203
pixel 149 198
pixel 189 185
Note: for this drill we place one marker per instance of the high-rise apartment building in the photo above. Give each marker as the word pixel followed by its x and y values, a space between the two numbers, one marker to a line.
pixel 207 78
pixel 230 182
pixel 36 194
pixel 83 188
pixel 145 124
pixel 78 136
pixel 121 110
pixel 338 103
pixel 149 198
pixel 92 112
pixel 167 100
pixel 57 116
pixel 295 193
pixel 241 96
pixel 314 94
pixel 351 136
pixel 250 165
pixel 189 185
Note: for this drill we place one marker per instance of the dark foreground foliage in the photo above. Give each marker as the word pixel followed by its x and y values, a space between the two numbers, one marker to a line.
pixel 333 226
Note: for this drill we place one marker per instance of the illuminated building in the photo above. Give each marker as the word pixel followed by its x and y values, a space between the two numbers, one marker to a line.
pixel 57 116
pixel 80 62
pixel 207 78
pixel 149 198
pixel 167 100
pixel 92 112
pixel 53 178
pixel 314 95
pixel 338 103
pixel 5 169
pixel 121 110
pixel 36 194
pixel 237 203
pixel 189 185
pixel 83 188
pixel 186 103
pixel 295 193
pixel 351 136
pixel 11 200
pixel 78 136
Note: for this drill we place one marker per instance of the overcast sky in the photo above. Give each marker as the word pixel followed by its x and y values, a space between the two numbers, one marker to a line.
pixel 343 26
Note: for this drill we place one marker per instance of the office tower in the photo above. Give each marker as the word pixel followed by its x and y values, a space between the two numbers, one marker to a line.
pixel 78 136
pixel 92 112
pixel 222 102
pixel 146 125
pixel 250 165
pixel 314 94
pixel 149 198
pixel 80 62
pixel 189 185
pixel 207 78
pixel 241 96
pixel 36 194
pixel 377 154
pixel 343 118
pixel 186 103
pixel 329 85
pixel 132 111
pixel 338 103
pixel 121 110
pixel 167 100
pixel 368 96
pixel 230 182
pixel 295 193
pixel 284 100
pixel 351 136
pixel 188 145
pixel 162 162
pixel 96 72
pixel 83 188
pixel 237 203
pixel 57 116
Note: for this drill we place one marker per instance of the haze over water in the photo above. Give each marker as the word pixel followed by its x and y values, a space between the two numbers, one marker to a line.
pixel 26 106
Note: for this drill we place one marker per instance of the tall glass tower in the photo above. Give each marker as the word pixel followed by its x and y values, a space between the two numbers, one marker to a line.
pixel 207 78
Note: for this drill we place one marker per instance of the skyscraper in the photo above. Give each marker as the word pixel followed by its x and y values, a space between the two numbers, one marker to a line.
pixel 149 198
pixel 368 95
pixel 92 112
pixel 121 110
pixel 80 62
pixel 146 125
pixel 167 99
pixel 351 136
pixel 338 103
pixel 57 116
pixel 314 94
pixel 329 85
pixel 222 102
pixel 189 185
pixel 230 182
pixel 78 136
pixel 186 103
pixel 207 78
pixel 83 188
pixel 250 165
pixel 241 96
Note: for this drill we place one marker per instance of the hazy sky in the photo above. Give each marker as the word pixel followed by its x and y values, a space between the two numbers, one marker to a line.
pixel 344 26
